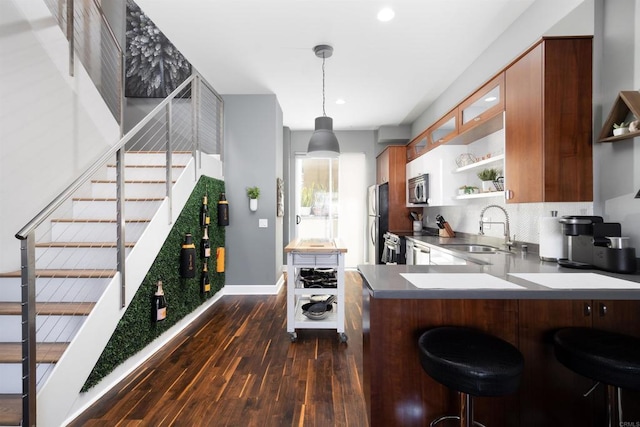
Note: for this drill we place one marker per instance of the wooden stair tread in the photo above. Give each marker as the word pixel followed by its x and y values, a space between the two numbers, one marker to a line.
pixel 113 199
pixel 141 181
pixel 157 152
pixel 148 166
pixel 89 220
pixel 46 352
pixel 49 308
pixel 10 409
pixel 65 273
pixel 82 245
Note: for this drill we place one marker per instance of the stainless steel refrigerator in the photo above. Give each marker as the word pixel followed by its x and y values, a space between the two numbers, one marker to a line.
pixel 377 221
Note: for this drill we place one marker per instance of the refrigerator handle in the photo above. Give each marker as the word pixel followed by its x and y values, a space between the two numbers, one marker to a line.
pixel 372 233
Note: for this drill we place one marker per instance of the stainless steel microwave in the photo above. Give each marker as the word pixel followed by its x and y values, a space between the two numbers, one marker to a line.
pixel 419 189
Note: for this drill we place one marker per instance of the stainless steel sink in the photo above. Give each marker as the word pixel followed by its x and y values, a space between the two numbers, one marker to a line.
pixel 474 248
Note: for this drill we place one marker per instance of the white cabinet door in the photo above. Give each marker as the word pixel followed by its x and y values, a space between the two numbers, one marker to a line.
pixel 439 163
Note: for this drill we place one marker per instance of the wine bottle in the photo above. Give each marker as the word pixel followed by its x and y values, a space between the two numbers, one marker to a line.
pixel 188 258
pixel 206 245
pixel 205 285
pixel 223 210
pixel 160 303
pixel 204 212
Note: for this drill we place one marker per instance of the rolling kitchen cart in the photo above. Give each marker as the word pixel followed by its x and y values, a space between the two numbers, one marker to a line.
pixel 314 254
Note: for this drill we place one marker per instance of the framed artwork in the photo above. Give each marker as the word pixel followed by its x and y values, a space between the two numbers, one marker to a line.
pixel 153 65
pixel 280 196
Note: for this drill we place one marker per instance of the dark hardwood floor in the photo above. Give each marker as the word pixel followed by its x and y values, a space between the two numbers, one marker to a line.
pixel 236 366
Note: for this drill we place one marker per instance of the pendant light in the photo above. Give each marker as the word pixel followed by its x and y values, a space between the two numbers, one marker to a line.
pixel 323 142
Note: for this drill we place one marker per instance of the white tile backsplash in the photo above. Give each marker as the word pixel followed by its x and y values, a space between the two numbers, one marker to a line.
pixel 524 218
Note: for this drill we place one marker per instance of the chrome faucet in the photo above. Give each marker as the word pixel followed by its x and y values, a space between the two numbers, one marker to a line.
pixel 507 236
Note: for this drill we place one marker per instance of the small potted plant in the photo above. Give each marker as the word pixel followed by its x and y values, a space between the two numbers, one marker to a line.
pixel 487 176
pixel 620 128
pixel 253 193
pixel 467 189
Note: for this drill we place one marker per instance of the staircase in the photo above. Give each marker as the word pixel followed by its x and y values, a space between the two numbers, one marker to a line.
pixel 81 292
pixel 76 260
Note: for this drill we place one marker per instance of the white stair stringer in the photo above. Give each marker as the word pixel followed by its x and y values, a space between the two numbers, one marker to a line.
pixel 59 399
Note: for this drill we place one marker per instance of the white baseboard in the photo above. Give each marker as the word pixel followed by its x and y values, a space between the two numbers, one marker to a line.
pixel 255 289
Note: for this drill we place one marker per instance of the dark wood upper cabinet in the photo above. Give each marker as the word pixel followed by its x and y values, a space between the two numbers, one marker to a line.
pixel 391 168
pixel 548 123
pixel 483 105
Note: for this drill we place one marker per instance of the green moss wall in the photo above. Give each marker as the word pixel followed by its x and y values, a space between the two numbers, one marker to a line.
pixel 137 327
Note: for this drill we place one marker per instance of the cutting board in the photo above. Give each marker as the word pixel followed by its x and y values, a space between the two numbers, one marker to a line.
pixel 576 281
pixel 457 281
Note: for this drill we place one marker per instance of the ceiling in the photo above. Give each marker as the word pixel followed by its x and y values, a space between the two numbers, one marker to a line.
pixel 388 73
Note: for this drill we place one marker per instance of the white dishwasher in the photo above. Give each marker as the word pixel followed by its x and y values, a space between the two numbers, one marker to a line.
pixel 422 254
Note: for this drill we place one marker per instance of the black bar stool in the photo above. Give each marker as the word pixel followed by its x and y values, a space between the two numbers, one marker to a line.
pixel 471 362
pixel 606 357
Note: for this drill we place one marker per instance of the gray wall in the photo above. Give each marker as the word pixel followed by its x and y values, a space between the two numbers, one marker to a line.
pixel 253 157
pixel 617 165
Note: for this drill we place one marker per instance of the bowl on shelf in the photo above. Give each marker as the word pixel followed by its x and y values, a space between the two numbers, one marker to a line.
pixel 465 159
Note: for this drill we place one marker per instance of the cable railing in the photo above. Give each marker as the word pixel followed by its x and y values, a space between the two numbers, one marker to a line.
pixel 96 46
pixel 78 243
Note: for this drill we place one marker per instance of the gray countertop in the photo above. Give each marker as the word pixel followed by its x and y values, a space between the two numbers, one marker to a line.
pixel 447 281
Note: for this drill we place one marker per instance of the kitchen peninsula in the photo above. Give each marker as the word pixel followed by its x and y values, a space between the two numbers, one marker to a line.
pixel 514 296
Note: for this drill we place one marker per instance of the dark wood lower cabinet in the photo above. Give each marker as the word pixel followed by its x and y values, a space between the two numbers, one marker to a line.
pixel 399 393
pixel 550 393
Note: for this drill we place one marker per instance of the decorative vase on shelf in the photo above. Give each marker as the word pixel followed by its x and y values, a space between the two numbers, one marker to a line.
pixel 488 186
pixel 620 128
pixel 253 205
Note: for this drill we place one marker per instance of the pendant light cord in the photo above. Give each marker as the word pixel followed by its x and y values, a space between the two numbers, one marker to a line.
pixel 323 111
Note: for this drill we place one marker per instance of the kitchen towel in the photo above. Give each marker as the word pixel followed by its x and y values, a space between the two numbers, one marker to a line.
pixel 551 239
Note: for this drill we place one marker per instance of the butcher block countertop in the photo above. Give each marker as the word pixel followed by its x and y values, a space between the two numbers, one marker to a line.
pixel 316 246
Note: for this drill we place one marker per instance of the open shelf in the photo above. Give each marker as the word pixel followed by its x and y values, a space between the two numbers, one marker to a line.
pixel 493 159
pixel 480 195
pixel 627 103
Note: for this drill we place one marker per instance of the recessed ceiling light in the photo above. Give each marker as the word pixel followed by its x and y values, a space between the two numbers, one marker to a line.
pixel 340 101
pixel 386 14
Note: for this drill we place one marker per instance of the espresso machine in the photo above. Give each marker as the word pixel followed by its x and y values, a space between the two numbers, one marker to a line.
pixel 593 243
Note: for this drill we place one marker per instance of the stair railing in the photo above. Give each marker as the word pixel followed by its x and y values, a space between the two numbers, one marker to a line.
pixel 189 119
pixel 93 40
pixel 187 123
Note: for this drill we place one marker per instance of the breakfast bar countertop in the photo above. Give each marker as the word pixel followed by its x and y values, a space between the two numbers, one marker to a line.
pixel 516 275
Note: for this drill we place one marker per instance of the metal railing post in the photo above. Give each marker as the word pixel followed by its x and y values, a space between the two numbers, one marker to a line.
pixel 70 37
pixel 195 121
pixel 120 224
pixel 28 290
pixel 169 162
pixel 122 89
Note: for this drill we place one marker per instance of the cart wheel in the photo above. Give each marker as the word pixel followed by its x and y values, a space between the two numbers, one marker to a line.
pixel 343 337
pixel 293 336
